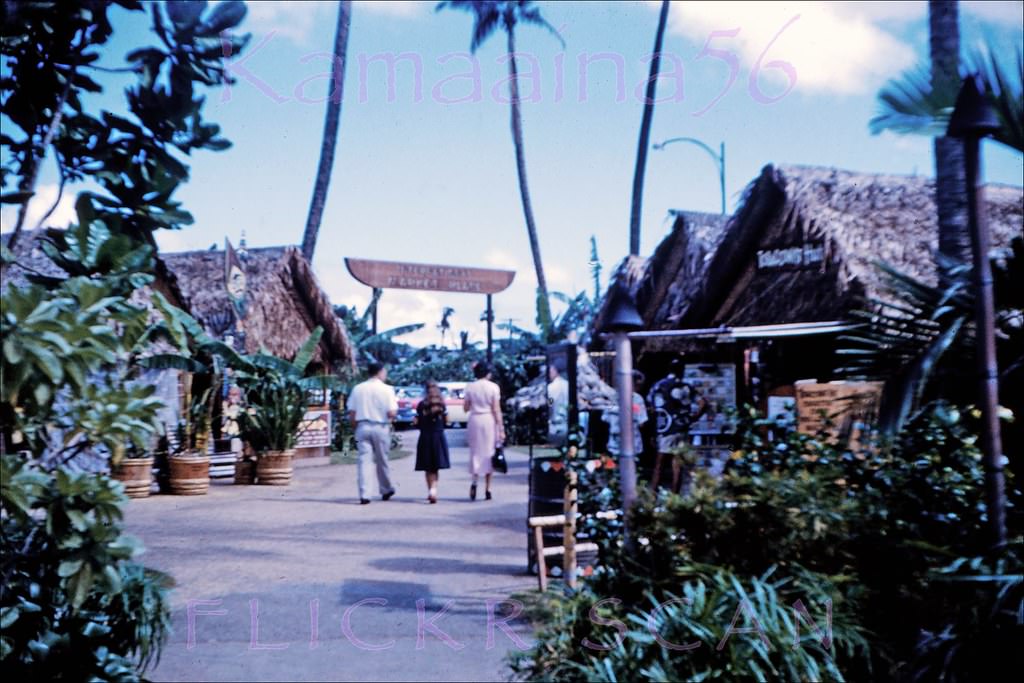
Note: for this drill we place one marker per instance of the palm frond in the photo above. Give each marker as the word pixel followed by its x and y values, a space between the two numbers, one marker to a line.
pixel 909 104
pixel 388 335
pixel 532 16
pixel 902 341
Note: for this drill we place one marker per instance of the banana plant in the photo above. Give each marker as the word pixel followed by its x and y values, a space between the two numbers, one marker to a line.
pixel 202 358
pixel 275 392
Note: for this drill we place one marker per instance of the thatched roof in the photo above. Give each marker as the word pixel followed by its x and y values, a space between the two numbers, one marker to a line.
pixel 855 219
pixel 664 283
pixel 30 260
pixel 285 301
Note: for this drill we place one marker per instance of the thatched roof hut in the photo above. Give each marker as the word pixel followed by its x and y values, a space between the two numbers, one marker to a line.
pixel 284 301
pixel 804 246
pixel 31 260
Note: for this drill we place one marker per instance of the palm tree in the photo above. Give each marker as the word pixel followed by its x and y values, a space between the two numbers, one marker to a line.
pixel 921 101
pixel 488 15
pixel 645 135
pixel 909 104
pixel 444 325
pixel 950 172
pixel 330 138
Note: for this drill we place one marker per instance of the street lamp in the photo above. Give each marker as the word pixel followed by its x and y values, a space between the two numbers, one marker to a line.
pixel 718 157
pixel 973 118
pixel 623 318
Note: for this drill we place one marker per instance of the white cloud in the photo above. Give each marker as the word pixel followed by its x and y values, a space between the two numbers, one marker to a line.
pixel 298 19
pixel 46 195
pixel 884 11
pixel 394 8
pixel 840 49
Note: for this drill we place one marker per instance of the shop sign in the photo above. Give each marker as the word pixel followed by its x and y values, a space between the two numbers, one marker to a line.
pixel 798 256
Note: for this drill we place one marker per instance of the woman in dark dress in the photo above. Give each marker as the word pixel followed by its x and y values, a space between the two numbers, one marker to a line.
pixel 432 448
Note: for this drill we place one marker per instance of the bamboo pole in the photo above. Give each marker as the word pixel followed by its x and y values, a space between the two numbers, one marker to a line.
pixel 569 530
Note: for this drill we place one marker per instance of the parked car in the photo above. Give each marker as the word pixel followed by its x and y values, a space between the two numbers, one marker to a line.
pixel 454 394
pixel 408 399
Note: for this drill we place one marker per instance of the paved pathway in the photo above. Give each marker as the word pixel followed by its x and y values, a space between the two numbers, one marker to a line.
pixel 283 565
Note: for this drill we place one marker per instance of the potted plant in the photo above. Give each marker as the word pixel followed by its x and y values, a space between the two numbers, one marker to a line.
pixel 275 393
pixel 189 463
pixel 135 470
pixel 200 359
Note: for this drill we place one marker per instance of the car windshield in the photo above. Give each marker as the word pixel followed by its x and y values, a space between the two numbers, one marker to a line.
pixel 409 392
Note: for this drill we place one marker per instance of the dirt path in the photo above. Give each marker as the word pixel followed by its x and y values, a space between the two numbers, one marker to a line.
pixel 271 572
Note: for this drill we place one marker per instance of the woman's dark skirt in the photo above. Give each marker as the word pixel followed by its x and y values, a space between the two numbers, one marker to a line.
pixel 432 451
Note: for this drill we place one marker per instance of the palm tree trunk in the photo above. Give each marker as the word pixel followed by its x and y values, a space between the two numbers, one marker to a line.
pixel 645 135
pixel 330 139
pixel 950 176
pixel 543 302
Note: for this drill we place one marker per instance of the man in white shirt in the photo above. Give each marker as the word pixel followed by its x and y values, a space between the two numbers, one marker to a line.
pixel 558 406
pixel 372 406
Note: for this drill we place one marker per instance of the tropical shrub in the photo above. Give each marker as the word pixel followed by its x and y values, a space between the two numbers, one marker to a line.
pixel 874 531
pixel 73 605
pixel 275 394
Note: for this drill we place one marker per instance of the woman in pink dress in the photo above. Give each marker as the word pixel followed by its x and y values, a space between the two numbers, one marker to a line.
pixel 485 428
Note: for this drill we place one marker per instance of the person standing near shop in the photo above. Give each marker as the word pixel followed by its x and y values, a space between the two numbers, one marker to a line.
pixel 485 428
pixel 372 406
pixel 558 404
pixel 432 447
pixel 610 416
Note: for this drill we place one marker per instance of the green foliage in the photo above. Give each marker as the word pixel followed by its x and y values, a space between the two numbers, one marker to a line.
pixel 370 347
pixel 922 334
pixel 874 531
pixel 275 392
pixel 909 104
pixel 66 368
pixel 132 157
pixel 974 642
pixel 73 606
pixel 699 639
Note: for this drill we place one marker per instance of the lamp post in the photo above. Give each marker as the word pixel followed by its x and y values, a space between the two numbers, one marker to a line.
pixel 623 318
pixel 718 157
pixel 973 118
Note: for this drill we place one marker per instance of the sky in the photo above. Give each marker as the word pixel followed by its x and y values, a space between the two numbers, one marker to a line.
pixel 425 167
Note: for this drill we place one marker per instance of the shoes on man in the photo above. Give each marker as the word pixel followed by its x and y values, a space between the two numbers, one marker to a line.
pixel 364 501
pixel 387 496
pixel 432 499
pixel 472 492
pixel 487 494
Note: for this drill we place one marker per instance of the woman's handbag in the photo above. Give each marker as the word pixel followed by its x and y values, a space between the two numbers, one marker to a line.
pixel 498 462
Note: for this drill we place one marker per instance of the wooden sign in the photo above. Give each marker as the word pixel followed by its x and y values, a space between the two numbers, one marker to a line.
pixel 795 257
pixel 850 406
pixel 423 276
pixel 315 429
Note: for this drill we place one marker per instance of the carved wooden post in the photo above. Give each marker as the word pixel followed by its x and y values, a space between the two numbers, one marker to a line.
pixel 569 530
